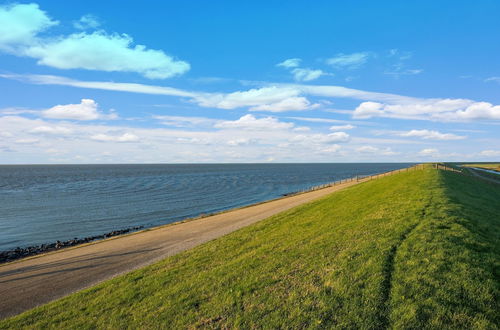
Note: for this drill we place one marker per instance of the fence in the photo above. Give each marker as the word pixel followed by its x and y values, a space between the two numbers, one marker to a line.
pixel 359 178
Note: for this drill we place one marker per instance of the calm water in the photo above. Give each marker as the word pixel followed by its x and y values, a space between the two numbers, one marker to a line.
pixel 42 204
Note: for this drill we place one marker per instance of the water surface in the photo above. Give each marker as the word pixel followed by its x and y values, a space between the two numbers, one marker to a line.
pixel 44 203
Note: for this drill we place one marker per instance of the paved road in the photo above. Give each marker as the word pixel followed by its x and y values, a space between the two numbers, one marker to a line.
pixel 477 173
pixel 30 282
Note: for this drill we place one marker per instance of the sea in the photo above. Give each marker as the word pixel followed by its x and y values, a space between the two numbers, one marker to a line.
pixel 41 204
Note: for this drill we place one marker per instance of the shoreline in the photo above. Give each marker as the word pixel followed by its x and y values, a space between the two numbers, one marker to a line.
pixel 39 279
pixel 22 253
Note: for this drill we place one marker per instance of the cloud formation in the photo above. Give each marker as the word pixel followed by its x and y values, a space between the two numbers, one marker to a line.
pixel 51 130
pixel 288 104
pixel 300 74
pixel 429 152
pixel 20 35
pixel 126 137
pixel 341 127
pixel 292 97
pixel 430 109
pixel 431 135
pixel 250 122
pixel 290 63
pixel 87 22
pixel 87 109
pixel 490 153
pixel 349 61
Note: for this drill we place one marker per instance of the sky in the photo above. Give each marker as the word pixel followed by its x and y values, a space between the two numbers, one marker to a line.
pixel 249 82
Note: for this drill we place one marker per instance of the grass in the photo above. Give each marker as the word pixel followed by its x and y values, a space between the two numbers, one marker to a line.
pixel 417 249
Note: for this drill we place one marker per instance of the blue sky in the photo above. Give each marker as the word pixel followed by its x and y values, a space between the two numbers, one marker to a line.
pixel 260 81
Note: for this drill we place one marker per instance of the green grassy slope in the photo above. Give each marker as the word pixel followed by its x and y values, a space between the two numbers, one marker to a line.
pixel 417 249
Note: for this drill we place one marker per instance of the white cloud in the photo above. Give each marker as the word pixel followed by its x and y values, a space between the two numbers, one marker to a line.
pixel 238 142
pixel 102 85
pixel 331 149
pixel 495 79
pixel 26 141
pixel 341 127
pixel 490 153
pixel 193 140
pixel 300 74
pixel 302 129
pixel 431 135
pixel 252 97
pixel 429 152
pixel 288 104
pixel 317 120
pixel 20 23
pixel 184 121
pixel 399 71
pixel 367 149
pixel 376 105
pixel 350 61
pixel 53 130
pixel 368 109
pixel 376 150
pixel 87 22
pixel 249 122
pixel 475 111
pixel 126 137
pixel 290 63
pixel 106 52
pixel 86 110
pixel 431 109
pixel 99 50
pixel 321 138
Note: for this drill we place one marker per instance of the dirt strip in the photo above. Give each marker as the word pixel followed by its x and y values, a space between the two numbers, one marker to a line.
pixel 30 282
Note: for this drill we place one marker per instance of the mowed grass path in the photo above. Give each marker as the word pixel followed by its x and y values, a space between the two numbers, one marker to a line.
pixel 418 249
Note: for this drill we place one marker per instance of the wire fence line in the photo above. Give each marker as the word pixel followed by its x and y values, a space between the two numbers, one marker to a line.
pixel 362 178
pixel 359 178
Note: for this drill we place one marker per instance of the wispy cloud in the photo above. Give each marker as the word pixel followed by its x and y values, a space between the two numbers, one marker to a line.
pixel 126 137
pixel 431 135
pixel 85 22
pixel 300 74
pixel 293 97
pixel 372 150
pixel 349 61
pixel 341 127
pixel 290 63
pixel 494 79
pixel 250 122
pixel 490 153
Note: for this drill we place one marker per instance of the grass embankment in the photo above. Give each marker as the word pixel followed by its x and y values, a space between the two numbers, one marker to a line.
pixel 418 249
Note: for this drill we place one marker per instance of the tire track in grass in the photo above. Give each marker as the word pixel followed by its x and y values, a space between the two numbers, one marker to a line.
pixel 388 271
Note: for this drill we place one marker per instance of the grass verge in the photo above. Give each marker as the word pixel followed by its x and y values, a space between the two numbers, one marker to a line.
pixel 417 249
